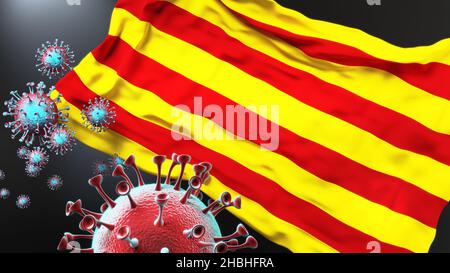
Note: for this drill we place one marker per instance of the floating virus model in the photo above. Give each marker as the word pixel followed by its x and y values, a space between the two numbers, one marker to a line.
pixel 32 170
pixel 55 182
pixel 159 217
pixel 98 115
pixel 54 58
pixel 60 139
pixel 22 152
pixel 101 167
pixel 2 175
pixel 38 157
pixel 116 160
pixel 34 113
pixel 23 201
pixel 4 193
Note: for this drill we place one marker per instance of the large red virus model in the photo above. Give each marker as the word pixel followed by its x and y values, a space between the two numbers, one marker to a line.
pixel 156 218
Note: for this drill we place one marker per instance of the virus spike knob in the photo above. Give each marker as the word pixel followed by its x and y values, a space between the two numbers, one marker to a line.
pixel 172 165
pixel 123 189
pixel 124 233
pixel 161 200
pixel 158 160
pixel 119 172
pixel 65 246
pixel 183 160
pixel 96 182
pixel 131 161
pixel 196 232
pixel 240 231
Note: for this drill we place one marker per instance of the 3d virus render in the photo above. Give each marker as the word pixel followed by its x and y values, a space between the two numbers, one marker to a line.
pixel 158 217
pixel 34 113
pixel 55 182
pixel 98 115
pixel 32 170
pixel 60 139
pixel 38 157
pixel 23 201
pixel 4 193
pixel 101 167
pixel 22 152
pixel 115 161
pixel 54 58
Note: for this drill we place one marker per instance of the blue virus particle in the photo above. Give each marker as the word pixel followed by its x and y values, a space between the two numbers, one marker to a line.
pixel 22 152
pixel 38 157
pixel 4 193
pixel 33 113
pixel 115 161
pixel 32 170
pixel 23 201
pixel 101 167
pixel 55 182
pixel 60 139
pixel 54 58
pixel 98 115
pixel 2 175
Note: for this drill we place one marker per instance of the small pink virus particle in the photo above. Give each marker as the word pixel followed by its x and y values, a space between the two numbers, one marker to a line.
pixel 23 201
pixel 34 113
pixel 55 182
pixel 2 175
pixel 98 115
pixel 101 167
pixel 156 218
pixel 54 58
pixel 32 170
pixel 4 193
pixel 38 157
pixel 60 139
pixel 22 152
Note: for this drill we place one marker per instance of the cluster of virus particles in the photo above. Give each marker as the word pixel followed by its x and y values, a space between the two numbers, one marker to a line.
pixel 22 202
pixel 54 58
pixel 160 217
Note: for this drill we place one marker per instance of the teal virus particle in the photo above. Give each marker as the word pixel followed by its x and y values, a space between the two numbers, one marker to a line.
pixel 98 115
pixel 32 170
pixel 2 175
pixel 4 193
pixel 115 161
pixel 101 167
pixel 55 182
pixel 54 58
pixel 60 139
pixel 23 201
pixel 22 152
pixel 34 113
pixel 38 157
pixel 159 217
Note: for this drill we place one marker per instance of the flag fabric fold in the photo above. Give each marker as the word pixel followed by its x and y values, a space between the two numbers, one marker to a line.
pixel 364 147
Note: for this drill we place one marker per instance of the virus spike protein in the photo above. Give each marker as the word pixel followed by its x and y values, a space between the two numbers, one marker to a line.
pixel 157 218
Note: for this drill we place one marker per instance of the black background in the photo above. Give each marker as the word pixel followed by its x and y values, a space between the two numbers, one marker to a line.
pixel 25 24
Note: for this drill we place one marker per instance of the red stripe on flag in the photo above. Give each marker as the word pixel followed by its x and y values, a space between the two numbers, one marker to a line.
pixel 387 190
pixel 431 77
pixel 271 196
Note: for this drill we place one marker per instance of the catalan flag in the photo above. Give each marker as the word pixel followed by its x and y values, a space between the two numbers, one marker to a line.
pixel 364 147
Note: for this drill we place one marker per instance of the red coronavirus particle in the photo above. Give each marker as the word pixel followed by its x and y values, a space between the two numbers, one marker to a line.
pixel 34 113
pixel 160 217
pixel 98 115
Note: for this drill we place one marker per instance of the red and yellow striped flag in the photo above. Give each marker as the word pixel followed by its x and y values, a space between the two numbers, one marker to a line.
pixel 364 147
